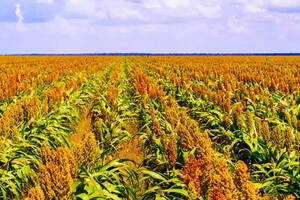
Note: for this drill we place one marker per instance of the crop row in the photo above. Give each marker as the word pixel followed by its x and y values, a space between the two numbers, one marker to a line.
pixel 150 127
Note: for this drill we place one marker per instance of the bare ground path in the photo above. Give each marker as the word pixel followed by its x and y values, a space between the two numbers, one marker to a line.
pixel 131 148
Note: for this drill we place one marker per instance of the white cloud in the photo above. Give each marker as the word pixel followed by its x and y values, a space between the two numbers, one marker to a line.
pixel 143 11
pixel 84 8
pixel 285 3
pixel 145 26
pixel 152 4
pixel 126 13
pixel 254 9
pixel 177 3
pixel 19 13
pixel 121 9
pixel 105 9
pixel 209 11
pixel 236 26
pixel 66 27
pixel 263 6
pixel 45 1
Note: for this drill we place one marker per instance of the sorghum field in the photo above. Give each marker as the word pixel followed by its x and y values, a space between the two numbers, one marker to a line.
pixel 150 127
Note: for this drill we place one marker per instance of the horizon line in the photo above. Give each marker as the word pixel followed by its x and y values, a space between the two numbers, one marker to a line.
pixel 124 54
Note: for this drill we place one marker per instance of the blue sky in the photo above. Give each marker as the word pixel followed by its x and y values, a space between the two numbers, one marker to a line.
pixel 185 26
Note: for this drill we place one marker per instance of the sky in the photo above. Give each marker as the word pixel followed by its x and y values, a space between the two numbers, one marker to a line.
pixel 149 26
